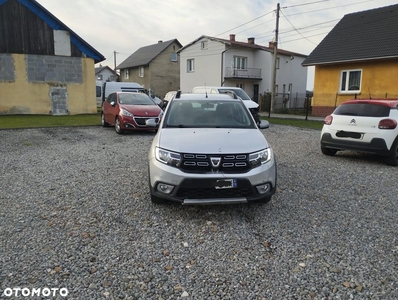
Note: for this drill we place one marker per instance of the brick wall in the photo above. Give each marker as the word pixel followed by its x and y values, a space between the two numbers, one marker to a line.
pixel 7 68
pixel 54 69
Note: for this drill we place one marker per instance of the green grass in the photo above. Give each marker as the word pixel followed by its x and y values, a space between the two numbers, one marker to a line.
pixel 296 122
pixel 34 121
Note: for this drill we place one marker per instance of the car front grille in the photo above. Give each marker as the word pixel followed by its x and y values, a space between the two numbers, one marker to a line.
pixel 142 121
pixel 227 163
pixel 204 189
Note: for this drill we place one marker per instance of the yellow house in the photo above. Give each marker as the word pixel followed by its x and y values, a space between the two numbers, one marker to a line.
pixel 357 59
pixel 48 70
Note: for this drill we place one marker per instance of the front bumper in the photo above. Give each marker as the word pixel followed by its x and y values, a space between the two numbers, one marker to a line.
pixel 375 146
pixel 199 189
pixel 136 123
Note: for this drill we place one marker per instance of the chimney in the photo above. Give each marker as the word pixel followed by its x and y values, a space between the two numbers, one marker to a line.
pixel 232 37
pixel 250 40
pixel 271 45
pixel 160 41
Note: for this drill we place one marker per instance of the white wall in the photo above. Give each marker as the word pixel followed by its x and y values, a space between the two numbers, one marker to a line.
pixel 209 69
pixel 106 74
pixel 207 65
pixel 291 71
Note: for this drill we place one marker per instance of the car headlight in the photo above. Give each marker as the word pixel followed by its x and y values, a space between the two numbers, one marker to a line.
pixel 168 157
pixel 259 158
pixel 126 113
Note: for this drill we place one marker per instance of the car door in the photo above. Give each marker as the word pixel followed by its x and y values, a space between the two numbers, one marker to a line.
pixel 108 109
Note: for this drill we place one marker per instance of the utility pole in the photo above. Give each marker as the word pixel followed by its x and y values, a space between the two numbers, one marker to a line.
pixel 114 60
pixel 275 43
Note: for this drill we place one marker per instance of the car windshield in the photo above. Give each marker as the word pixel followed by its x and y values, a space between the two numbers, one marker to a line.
pixel 239 92
pixel 208 114
pixel 363 110
pixel 135 99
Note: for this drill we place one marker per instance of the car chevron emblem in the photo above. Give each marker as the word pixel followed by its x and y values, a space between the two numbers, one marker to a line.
pixel 215 161
pixel 353 122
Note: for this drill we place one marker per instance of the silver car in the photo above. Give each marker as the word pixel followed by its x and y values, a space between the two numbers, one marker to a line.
pixel 209 150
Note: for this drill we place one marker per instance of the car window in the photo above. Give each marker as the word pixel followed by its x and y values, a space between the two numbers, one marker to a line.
pixel 135 99
pixel 111 98
pixel 208 114
pixel 241 93
pixel 363 110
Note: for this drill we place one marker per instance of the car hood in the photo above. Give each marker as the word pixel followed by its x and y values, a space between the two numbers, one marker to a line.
pixel 211 140
pixel 250 104
pixel 143 110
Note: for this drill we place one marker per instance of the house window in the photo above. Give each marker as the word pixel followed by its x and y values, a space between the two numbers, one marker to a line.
pixel 277 62
pixel 112 77
pixel 350 81
pixel 203 45
pixel 99 77
pixel 126 74
pixel 173 57
pixel 240 85
pixel 191 65
pixel 141 71
pixel 290 87
pixel 240 62
pixel 276 89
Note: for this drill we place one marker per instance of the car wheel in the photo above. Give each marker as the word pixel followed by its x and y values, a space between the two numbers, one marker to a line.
pixel 328 151
pixel 103 123
pixel 392 158
pixel 157 200
pixel 118 127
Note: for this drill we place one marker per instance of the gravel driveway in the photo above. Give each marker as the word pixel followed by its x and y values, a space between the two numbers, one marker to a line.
pixel 76 215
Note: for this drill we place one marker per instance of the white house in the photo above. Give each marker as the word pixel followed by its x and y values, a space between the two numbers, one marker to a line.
pixel 220 62
pixel 104 74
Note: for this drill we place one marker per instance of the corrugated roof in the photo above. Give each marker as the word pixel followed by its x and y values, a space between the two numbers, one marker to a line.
pixel 145 55
pixel 365 35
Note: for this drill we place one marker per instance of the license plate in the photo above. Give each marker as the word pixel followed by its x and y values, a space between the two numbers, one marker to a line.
pixel 226 184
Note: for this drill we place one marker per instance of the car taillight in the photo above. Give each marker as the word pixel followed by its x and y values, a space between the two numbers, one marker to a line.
pixel 387 124
pixel 328 120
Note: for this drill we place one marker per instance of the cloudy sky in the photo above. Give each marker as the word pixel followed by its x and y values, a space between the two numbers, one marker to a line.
pixel 125 26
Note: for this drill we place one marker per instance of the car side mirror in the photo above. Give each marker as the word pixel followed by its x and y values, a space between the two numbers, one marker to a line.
pixel 263 124
pixel 113 103
pixel 151 123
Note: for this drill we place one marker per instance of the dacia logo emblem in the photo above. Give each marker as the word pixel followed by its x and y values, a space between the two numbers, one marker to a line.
pixel 215 161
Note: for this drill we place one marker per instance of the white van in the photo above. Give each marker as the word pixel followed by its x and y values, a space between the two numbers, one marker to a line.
pixel 111 87
pixel 249 103
pixel 98 92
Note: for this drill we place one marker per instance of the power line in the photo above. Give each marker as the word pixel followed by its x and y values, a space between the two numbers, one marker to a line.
pixel 305 3
pixel 339 6
pixel 245 23
pixel 297 30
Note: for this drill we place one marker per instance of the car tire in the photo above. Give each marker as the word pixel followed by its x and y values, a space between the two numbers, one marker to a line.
pixel 118 126
pixel 103 123
pixel 157 200
pixel 328 151
pixel 392 158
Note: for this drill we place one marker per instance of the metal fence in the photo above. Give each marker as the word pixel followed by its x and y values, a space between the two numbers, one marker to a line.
pixel 286 103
